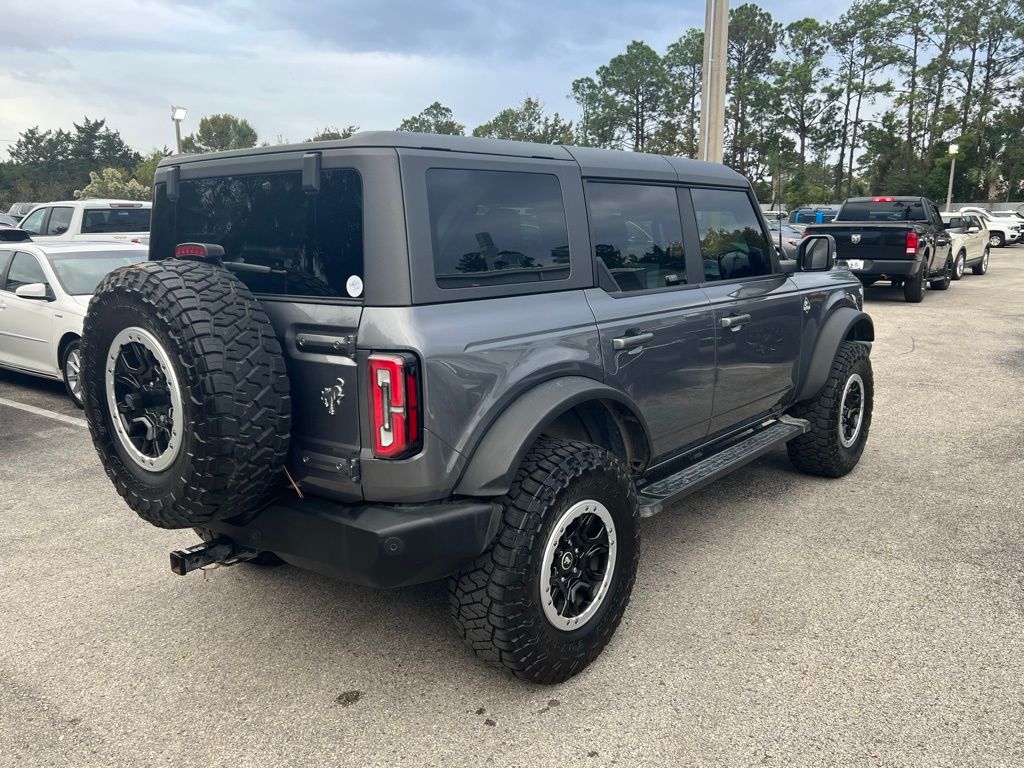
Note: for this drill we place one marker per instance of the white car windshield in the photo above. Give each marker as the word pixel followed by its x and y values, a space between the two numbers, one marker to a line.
pixel 80 273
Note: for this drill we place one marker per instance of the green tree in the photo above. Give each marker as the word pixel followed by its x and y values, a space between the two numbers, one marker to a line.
pixel 527 122
pixel 437 118
pixel 145 170
pixel 679 129
pixel 598 125
pixel 806 109
pixel 331 133
pixel 110 182
pixel 637 83
pixel 217 133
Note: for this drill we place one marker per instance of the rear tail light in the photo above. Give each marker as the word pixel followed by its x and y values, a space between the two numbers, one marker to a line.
pixel 394 405
pixel 805 234
pixel 911 243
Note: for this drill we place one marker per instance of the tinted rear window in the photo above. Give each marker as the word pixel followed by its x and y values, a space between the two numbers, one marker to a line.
pixel 883 211
pixel 293 243
pixel 104 220
pixel 496 227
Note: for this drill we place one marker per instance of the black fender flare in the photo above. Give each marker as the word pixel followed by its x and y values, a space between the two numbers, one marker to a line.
pixel 844 323
pixel 498 455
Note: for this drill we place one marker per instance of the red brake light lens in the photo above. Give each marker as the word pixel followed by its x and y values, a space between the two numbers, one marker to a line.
pixel 190 249
pixel 394 405
pixel 883 199
pixel 911 242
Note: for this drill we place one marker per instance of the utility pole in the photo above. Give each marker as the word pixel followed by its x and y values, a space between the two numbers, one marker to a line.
pixel 712 99
pixel 953 149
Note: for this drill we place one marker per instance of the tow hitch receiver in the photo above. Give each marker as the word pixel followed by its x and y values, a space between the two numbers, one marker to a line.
pixel 219 552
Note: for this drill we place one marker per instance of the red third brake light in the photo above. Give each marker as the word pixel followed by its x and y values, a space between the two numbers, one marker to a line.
pixel 190 249
pixel 394 405
pixel 911 243
pixel 883 199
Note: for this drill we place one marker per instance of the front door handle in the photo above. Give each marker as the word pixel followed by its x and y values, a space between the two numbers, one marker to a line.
pixel 632 340
pixel 733 321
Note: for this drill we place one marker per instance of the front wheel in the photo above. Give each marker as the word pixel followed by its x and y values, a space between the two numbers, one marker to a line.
pixel 982 266
pixel 996 240
pixel 547 596
pixel 958 266
pixel 840 416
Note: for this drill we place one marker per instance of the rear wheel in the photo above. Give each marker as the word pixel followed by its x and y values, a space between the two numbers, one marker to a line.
pixel 982 266
pixel 947 276
pixel 544 600
pixel 185 391
pixel 913 286
pixel 996 240
pixel 959 264
pixel 840 416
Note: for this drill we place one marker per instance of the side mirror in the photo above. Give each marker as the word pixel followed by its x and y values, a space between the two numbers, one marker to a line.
pixel 973 230
pixel 37 291
pixel 788 266
pixel 816 253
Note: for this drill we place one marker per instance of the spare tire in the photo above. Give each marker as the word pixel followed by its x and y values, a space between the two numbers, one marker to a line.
pixel 185 391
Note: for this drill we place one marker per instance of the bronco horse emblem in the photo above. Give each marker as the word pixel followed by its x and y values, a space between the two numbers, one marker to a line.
pixel 331 396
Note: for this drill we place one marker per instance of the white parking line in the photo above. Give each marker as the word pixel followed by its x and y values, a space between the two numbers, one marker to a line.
pixel 43 412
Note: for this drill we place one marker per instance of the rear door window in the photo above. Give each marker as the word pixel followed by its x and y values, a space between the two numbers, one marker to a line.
pixel 60 220
pixel 496 227
pixel 290 243
pixel 732 243
pixel 637 234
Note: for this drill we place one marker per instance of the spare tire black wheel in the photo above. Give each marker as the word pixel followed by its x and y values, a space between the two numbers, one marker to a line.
pixel 186 392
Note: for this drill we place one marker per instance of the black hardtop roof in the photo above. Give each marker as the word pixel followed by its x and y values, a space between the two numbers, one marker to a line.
pixel 606 163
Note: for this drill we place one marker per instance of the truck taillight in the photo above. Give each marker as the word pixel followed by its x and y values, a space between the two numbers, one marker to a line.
pixel 394 405
pixel 911 243
pixel 883 199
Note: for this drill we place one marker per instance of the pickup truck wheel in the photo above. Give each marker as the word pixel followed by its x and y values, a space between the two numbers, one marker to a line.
pixel 186 392
pixel 943 282
pixel 958 267
pixel 982 266
pixel 840 416
pixel 913 286
pixel 996 240
pixel 547 596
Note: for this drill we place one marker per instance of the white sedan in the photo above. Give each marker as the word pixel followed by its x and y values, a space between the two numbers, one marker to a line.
pixel 44 292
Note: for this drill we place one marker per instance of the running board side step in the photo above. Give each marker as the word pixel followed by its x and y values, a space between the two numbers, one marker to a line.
pixel 654 497
pixel 217 553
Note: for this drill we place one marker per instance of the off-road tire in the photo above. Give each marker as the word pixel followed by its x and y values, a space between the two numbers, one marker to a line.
pixel 266 559
pixel 982 266
pixel 959 265
pixel 233 385
pixel 820 451
pixel 914 285
pixel 496 602
pixel 946 280
pixel 71 348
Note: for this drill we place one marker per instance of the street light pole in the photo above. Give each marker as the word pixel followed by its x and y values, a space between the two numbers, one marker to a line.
pixel 712 100
pixel 177 115
pixel 953 149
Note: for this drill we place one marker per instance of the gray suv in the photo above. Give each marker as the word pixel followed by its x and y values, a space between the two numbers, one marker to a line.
pixel 399 357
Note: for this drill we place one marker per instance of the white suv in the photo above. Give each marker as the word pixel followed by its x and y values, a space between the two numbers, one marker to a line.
pixel 1001 230
pixel 121 220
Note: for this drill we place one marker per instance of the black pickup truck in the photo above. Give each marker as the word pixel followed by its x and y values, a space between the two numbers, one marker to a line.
pixel 899 239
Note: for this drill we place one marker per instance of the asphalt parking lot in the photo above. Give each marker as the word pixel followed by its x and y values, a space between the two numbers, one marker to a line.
pixel 777 619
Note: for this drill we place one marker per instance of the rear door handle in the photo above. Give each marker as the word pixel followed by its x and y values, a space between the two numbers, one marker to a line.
pixel 632 340
pixel 733 321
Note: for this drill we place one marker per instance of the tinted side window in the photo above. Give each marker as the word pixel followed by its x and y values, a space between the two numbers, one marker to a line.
pixel 60 220
pixel 24 270
pixel 496 227
pixel 5 259
pixel 307 245
pixel 636 232
pixel 732 242
pixel 33 223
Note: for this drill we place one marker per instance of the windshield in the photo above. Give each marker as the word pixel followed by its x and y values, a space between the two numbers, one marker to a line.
pixel 104 220
pixel 892 210
pixel 80 273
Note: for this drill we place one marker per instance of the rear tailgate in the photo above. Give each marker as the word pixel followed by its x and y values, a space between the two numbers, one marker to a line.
pixel 867 241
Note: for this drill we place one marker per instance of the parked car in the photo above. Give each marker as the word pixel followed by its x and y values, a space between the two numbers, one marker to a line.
pixel 119 220
pixel 1001 231
pixel 44 291
pixel 18 210
pixel 787 237
pixel 899 239
pixel 970 243
pixel 486 395
pixel 8 222
pixel 807 216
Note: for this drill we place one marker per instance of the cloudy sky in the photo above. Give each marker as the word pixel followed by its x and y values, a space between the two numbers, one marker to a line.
pixel 291 66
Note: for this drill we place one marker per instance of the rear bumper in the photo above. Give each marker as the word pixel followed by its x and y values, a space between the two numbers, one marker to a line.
pixel 374 544
pixel 878 267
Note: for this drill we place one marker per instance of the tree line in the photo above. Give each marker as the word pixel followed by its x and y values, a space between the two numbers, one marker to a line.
pixel 815 111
